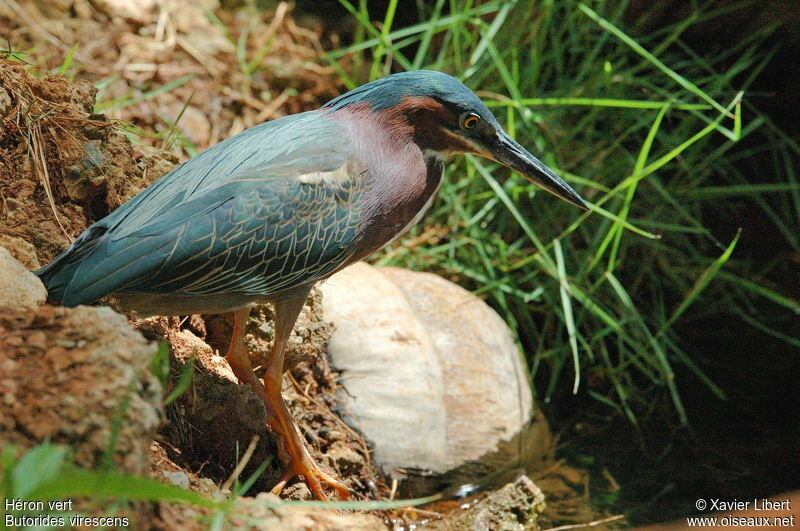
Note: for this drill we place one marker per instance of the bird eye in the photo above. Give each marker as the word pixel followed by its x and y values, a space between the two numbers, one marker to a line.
pixel 469 120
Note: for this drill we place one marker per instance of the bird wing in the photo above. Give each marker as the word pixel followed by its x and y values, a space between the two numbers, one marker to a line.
pixel 269 209
pixel 295 145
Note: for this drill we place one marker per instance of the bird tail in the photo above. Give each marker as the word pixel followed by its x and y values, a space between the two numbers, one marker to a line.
pixel 58 274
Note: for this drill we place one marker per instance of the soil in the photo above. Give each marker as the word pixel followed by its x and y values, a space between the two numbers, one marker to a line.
pixel 59 384
pixel 63 167
pixel 55 361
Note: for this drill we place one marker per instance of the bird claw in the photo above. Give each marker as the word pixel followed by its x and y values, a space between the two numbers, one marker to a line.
pixel 295 456
pixel 313 477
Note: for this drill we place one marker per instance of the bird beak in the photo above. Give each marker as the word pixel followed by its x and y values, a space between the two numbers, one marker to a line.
pixel 509 153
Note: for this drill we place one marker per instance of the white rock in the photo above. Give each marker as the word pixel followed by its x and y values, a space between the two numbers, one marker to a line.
pixel 390 371
pixel 20 290
pixel 431 374
pixel 487 397
pixel 141 11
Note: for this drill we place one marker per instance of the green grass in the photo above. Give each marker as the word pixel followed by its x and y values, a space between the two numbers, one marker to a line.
pixel 647 131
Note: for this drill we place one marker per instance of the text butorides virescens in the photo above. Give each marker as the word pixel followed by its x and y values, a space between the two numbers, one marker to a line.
pixel 262 216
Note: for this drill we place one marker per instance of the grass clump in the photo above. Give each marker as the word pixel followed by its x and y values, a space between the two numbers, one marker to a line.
pixel 647 131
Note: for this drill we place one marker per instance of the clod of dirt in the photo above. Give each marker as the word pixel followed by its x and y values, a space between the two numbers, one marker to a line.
pixel 61 167
pixel 20 290
pixel 154 163
pixel 517 506
pixel 78 376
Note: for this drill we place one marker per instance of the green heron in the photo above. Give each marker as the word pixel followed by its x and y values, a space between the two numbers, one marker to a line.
pixel 262 216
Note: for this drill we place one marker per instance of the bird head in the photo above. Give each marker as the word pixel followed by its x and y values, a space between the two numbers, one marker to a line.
pixel 447 118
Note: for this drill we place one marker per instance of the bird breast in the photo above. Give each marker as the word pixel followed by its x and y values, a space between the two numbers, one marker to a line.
pixel 400 180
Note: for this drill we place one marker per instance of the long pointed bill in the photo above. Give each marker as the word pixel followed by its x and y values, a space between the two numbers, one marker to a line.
pixel 508 152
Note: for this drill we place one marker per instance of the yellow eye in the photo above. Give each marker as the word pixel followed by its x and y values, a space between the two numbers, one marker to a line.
pixel 470 120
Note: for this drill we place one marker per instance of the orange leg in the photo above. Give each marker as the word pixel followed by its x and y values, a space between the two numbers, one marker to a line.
pixel 291 448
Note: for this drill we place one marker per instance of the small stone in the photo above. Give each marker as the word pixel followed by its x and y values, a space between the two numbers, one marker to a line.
pixel 22 250
pixel 5 103
pixel 37 339
pixel 140 12
pixel 66 343
pixel 88 175
pixel 20 290
pixel 207 486
pixel 345 457
pixel 297 491
pixel 177 478
pixel 516 506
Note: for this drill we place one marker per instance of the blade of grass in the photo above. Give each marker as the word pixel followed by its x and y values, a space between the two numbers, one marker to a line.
pixel 383 43
pixel 569 319
pixel 78 482
pixel 760 290
pixel 67 63
pixel 638 48
pixel 597 102
pixel 440 25
pixel 701 284
pixel 641 160
pixel 184 380
pixel 121 103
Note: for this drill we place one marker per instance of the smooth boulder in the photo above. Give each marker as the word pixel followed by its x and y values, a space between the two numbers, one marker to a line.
pixel 431 376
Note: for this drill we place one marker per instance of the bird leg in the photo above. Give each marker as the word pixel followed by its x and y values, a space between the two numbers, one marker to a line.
pixel 291 448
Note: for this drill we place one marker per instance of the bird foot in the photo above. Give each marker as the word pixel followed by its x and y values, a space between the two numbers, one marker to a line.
pixel 292 450
pixel 313 477
pixel 293 453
